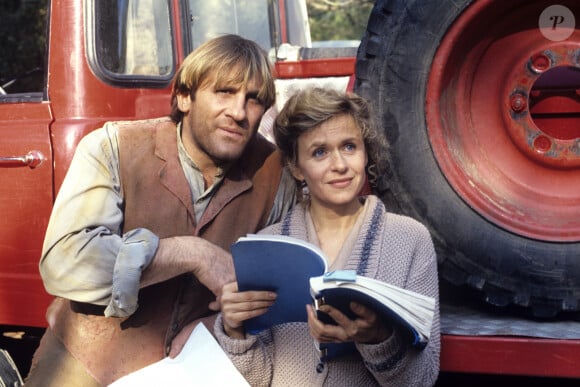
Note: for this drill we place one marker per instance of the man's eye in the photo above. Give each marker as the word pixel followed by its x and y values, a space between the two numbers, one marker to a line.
pixel 255 99
pixel 225 90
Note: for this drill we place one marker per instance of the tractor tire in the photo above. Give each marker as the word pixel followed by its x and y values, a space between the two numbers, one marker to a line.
pixel 456 86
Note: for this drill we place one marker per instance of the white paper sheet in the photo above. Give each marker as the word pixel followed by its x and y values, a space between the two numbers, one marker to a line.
pixel 202 362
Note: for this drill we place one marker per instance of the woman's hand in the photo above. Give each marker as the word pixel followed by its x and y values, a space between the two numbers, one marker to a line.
pixel 366 328
pixel 238 307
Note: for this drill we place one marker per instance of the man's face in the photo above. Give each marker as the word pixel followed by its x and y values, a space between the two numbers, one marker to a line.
pixel 220 121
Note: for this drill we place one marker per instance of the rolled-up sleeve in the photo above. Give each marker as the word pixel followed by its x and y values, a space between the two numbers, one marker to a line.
pixel 85 257
pixel 127 272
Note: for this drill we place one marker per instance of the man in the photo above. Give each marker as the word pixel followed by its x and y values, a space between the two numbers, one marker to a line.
pixel 137 245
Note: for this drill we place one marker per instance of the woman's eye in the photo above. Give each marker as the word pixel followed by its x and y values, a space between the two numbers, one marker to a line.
pixel 318 152
pixel 350 147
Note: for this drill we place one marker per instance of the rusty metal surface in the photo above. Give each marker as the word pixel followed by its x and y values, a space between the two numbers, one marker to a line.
pixel 472 321
pixel 479 341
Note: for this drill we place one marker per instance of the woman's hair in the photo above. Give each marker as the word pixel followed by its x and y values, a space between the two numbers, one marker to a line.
pixel 230 60
pixel 311 107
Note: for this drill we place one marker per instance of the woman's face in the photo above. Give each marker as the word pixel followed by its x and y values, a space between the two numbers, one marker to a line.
pixel 331 160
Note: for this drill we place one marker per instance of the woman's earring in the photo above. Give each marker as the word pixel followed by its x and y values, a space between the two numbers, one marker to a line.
pixel 304 189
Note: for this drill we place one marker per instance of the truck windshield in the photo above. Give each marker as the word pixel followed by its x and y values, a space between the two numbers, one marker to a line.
pixel 248 18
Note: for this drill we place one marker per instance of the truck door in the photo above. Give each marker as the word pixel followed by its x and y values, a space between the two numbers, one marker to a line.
pixel 26 190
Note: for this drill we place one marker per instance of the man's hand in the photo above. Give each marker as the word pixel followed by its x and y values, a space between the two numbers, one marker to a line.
pixel 215 271
pixel 212 265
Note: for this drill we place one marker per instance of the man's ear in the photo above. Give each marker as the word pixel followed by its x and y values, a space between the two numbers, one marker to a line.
pixel 183 102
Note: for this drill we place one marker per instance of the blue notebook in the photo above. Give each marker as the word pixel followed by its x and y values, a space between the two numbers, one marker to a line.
pixel 281 264
pixel 297 271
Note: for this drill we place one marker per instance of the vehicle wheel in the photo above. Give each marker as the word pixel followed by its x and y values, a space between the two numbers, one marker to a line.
pixel 481 110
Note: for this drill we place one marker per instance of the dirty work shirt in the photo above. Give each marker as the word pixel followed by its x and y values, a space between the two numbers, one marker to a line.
pixel 87 232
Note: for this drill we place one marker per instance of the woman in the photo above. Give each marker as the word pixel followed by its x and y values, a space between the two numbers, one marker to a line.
pixel 330 147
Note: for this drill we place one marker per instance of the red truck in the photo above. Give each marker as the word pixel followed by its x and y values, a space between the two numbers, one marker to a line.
pixel 479 101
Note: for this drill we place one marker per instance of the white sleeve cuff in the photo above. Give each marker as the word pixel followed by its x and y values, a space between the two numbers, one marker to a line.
pixel 137 250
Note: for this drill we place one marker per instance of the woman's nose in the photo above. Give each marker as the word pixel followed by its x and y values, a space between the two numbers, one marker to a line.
pixel 338 161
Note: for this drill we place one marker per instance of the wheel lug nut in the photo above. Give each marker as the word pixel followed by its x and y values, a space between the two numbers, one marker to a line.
pixel 542 144
pixel 540 63
pixel 518 102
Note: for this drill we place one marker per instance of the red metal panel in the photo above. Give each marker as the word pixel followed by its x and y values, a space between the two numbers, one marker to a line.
pixel 283 21
pixel 179 30
pixel 25 207
pixel 327 67
pixel 510 356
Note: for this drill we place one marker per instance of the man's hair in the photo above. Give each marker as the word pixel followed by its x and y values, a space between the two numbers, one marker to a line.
pixel 311 107
pixel 230 60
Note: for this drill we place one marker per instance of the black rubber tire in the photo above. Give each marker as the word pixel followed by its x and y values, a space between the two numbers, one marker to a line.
pixel 392 69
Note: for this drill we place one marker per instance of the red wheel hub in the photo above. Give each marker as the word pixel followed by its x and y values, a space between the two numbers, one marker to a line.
pixel 503 116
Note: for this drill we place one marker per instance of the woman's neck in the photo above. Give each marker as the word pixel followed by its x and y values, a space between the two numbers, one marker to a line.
pixel 333 227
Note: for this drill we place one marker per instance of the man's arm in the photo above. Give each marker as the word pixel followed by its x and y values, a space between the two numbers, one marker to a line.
pixel 86 259
pixel 83 238
pixel 212 265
